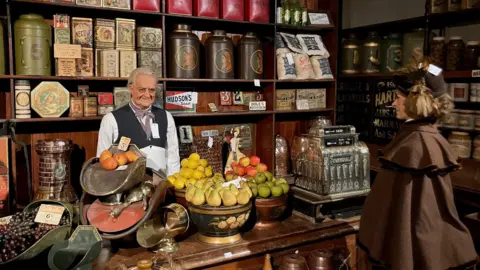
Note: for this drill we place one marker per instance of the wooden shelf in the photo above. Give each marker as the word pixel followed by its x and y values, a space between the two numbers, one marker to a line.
pixel 56 119
pixel 215 22
pixel 231 113
pixel 217 80
pixel 304 111
pixel 311 28
pixel 66 78
pixel 460 74
pixel 305 81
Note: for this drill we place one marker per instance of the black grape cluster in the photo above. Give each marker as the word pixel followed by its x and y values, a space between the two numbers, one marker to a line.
pixel 22 232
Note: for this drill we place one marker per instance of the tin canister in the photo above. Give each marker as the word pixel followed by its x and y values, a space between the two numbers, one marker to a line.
pixel 183 53
pixel 104 109
pixel 76 107
pixel 219 56
pixel 249 57
pixel 33 42
pixel 90 106
pixel 105 98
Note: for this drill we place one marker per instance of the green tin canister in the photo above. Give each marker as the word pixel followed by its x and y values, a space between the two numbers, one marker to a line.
pixel 392 53
pixel 33 43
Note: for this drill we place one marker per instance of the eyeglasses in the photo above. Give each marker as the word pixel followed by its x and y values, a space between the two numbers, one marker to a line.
pixel 144 90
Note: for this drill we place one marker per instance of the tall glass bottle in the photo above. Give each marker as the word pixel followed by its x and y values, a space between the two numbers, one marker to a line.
pixel 286 12
pixel 304 14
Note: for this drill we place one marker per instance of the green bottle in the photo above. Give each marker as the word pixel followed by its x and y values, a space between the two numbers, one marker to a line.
pixel 286 12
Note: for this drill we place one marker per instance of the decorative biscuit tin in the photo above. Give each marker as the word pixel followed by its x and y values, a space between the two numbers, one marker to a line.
pixel 90 106
pixel 50 99
pixel 128 62
pixel 120 4
pixel 109 63
pixel 152 59
pixel 93 3
pixel 65 67
pixel 316 97
pixel 85 64
pixel 22 99
pixel 285 99
pixel 122 96
pixel 76 107
pixel 82 31
pixel 104 33
pixel 105 98
pixel 83 90
pixel 149 38
pixel 104 109
pixel 125 35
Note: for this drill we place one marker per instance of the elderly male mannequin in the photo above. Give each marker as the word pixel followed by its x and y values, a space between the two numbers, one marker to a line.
pixel 151 129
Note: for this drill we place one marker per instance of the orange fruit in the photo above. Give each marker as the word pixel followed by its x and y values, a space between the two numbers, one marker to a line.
pixel 121 158
pixel 105 154
pixel 131 156
pixel 109 164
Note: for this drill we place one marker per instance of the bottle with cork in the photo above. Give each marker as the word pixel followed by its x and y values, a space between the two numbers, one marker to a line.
pixel 267 265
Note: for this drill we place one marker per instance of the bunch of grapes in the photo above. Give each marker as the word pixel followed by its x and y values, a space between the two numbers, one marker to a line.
pixel 22 232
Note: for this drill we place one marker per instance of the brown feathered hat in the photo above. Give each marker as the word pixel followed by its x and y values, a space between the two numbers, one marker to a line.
pixel 404 82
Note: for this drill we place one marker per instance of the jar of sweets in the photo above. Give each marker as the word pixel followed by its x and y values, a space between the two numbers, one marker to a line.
pixel 461 143
pixel 472 52
pixel 437 52
pixel 466 120
pixel 455 53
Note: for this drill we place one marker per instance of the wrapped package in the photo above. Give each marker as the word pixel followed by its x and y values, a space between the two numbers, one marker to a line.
pixel 206 8
pixel 257 10
pixel 232 10
pixel 303 67
pixel 286 66
pixel 321 67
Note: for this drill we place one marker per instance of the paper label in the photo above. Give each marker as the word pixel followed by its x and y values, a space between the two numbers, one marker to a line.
pixel 290 59
pixel 210 142
pixel 434 70
pixel 122 168
pixel 476 73
pixel 67 51
pixel 155 133
pixel 49 214
pixel 236 182
pixel 213 107
pixel 124 142
pixel 318 18
pixel 209 133
pixel 302 104
pixel 257 105
pixel 256 82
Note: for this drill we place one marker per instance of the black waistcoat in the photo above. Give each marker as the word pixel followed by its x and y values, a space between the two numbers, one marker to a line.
pixel 129 126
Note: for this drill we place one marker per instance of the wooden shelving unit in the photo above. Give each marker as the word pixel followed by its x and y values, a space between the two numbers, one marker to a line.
pixel 83 131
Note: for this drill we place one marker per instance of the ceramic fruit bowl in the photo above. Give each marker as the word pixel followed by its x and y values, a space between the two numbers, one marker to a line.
pixel 219 225
pixel 269 210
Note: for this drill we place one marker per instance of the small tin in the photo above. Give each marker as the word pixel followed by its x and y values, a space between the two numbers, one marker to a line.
pixel 85 64
pixel 152 59
pixel 285 99
pixel 122 96
pixel 61 35
pixel 109 63
pixel 105 99
pixel 128 62
pixel 61 21
pixel 22 99
pixel 149 38
pixel 92 3
pixel 82 31
pixel 225 98
pixel 119 4
pixel 104 34
pixel 125 35
pixel 83 90
pixel 76 107
pixel 104 109
pixel 90 106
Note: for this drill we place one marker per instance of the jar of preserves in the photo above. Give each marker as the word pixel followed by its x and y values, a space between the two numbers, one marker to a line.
pixel 439 6
pixel 461 143
pixel 371 53
pixel 351 55
pixel 450 120
pixel 455 53
pixel 466 120
pixel 413 47
pixel 183 53
pixel 472 53
pixel 437 52
pixel 459 91
pixel 392 53
pixel 33 42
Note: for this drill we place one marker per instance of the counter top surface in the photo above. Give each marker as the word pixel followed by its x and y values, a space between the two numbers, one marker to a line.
pixel 194 254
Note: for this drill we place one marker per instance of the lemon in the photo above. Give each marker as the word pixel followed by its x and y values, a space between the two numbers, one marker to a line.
pixel 194 156
pixel 176 175
pixel 179 183
pixel 197 175
pixel 186 172
pixel 172 179
pixel 201 168
pixel 192 164
pixel 184 162
pixel 203 162
pixel 208 171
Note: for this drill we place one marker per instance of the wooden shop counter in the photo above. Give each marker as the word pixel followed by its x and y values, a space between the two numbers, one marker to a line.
pixel 295 233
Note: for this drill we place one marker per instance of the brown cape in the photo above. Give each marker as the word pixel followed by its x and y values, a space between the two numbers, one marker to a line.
pixel 409 219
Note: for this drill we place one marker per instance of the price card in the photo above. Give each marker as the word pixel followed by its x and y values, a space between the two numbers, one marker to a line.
pixel 236 182
pixel 302 104
pixel 290 59
pixel 213 107
pixel 71 51
pixel 209 133
pixel 124 142
pixel 186 134
pixel 210 142
pixel 475 73
pixel 49 214
pixel 318 18
pixel 122 168
pixel 257 105
pixel 256 82
pixel 228 255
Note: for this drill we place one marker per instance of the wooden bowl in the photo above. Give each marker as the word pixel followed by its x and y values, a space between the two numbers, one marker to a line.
pixel 219 225
pixel 268 211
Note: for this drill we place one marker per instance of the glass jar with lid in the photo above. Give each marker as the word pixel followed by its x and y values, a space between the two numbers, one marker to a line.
pixel 437 52
pixel 350 55
pixel 371 53
pixel 461 143
pixel 451 119
pixel 466 120
pixel 472 52
pixel 318 123
pixel 281 156
pixel 455 53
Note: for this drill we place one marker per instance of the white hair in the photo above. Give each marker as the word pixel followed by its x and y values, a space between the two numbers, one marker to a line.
pixel 141 71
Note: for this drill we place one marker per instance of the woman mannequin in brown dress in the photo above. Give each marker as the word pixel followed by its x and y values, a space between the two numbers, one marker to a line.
pixel 409 219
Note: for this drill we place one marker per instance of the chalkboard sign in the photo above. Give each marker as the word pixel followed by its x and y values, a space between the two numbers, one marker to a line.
pixel 385 124
pixel 354 106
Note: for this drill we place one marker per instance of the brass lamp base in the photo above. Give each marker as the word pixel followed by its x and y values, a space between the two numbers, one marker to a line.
pixel 212 240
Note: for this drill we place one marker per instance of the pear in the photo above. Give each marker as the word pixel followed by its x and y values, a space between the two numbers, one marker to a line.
pixel 255 191
pixel 243 184
pixel 243 197
pixel 222 190
pixel 268 175
pixel 190 192
pixel 213 198
pixel 208 191
pixel 248 190
pixel 198 197
pixel 252 185
pixel 199 184
pixel 228 198
pixel 234 189
pixel 281 181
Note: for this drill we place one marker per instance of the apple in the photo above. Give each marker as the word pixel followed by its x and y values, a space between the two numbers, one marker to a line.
pixel 251 171
pixel 254 160
pixel 245 161
pixel 229 176
pixel 262 167
pixel 241 170
pixel 234 164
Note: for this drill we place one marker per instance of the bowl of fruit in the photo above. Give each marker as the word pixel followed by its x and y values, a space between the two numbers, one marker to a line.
pixel 193 169
pixel 271 196
pixel 219 210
